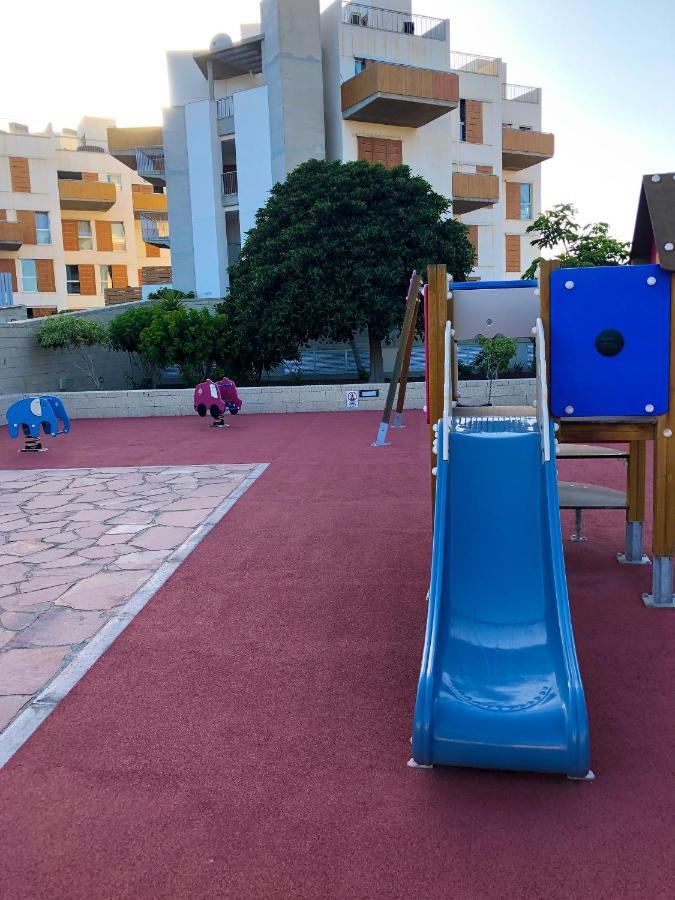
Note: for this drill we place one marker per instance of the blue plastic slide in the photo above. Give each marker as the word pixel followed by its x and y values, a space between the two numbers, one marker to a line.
pixel 500 686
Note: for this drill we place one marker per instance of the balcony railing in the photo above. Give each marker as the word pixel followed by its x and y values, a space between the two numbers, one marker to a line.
pixel 150 162
pixel 11 235
pixel 229 185
pixel 225 107
pixel 143 202
pixel 86 195
pixel 476 65
pixel 155 229
pixel 522 93
pixel 392 20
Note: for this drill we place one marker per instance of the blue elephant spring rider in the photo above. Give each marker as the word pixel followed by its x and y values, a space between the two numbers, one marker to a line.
pixel 31 413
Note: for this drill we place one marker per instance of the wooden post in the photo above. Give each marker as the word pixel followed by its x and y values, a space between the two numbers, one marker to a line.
pixel 635 493
pixel 664 459
pixel 435 325
pixel 405 368
pixel 406 332
pixel 546 267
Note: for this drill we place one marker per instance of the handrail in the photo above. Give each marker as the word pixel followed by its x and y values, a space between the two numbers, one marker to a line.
pixel 230 185
pixel 447 390
pixel 150 161
pixel 365 16
pixel 225 107
pixel 154 227
pixel 542 391
pixel 472 62
pixel 521 92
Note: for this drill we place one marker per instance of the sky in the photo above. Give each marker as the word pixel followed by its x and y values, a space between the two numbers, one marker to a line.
pixel 606 67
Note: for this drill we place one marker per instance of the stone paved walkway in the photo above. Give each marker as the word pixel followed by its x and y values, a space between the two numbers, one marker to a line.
pixel 75 544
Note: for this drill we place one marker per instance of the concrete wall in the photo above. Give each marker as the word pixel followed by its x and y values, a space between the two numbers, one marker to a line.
pixel 254 161
pixel 178 198
pixel 300 398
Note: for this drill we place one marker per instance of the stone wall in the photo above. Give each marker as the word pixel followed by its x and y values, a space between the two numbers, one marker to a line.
pixel 298 398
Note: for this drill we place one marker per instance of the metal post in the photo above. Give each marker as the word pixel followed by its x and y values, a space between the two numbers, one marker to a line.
pixel 633 555
pixel 662 596
pixel 578 531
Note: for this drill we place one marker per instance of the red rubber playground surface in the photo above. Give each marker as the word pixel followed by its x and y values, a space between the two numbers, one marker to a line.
pixel 247 735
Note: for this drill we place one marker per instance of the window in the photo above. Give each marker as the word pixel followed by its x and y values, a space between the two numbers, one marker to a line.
pixel 525 201
pixel 73 279
pixel 44 235
pixel 462 120
pixel 69 176
pixel 114 179
pixel 84 238
pixel 28 276
pixel 105 273
pixel 118 239
pixel 359 65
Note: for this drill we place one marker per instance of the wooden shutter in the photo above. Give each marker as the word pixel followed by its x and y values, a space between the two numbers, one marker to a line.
pixel 89 176
pixel 70 239
pixel 473 237
pixel 87 280
pixel 45 275
pixel 103 236
pixel 474 121
pixel 140 277
pixel 141 189
pixel 512 200
pixel 26 218
pixel 385 151
pixel 151 250
pixel 365 148
pixel 3 215
pixel 9 265
pixel 119 277
pixel 394 154
pixel 484 170
pixel 20 174
pixel 512 252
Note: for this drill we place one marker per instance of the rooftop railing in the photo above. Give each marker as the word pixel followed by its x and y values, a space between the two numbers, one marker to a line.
pixel 477 65
pixel 225 107
pixel 522 93
pixel 154 228
pixel 363 16
pixel 150 161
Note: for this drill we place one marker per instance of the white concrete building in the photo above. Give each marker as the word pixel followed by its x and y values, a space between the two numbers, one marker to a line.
pixel 354 82
pixel 70 219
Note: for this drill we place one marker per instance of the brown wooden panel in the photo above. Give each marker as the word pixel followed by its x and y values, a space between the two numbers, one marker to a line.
pixel 512 199
pixel 387 152
pixel 466 184
pixel 119 277
pixel 40 312
pixel 365 148
pixel 89 176
pixel 20 174
pixel 70 239
pixel 484 170
pixel 87 280
pixel 151 250
pixel 140 277
pixel 394 154
pixel 9 265
pixel 512 252
pixel 26 218
pixel 473 237
pixel 538 142
pixel 103 236
pixel 141 189
pixel 474 121
pixel 405 81
pixel 3 215
pixel 45 275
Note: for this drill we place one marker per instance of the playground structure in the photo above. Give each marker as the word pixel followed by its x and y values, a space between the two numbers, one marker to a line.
pixel 31 414
pixel 217 398
pixel 500 685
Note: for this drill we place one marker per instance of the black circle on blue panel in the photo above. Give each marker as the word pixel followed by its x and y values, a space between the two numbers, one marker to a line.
pixel 609 342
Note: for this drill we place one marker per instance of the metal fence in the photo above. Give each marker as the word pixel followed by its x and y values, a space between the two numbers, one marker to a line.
pixel 225 107
pixel 155 228
pixel 477 65
pixel 364 16
pixel 6 295
pixel 150 161
pixel 230 186
pixel 522 93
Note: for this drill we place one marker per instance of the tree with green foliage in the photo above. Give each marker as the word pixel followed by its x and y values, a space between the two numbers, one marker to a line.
pixel 197 342
pixel 171 298
pixel 69 333
pixel 331 254
pixel 575 246
pixel 124 333
pixel 495 355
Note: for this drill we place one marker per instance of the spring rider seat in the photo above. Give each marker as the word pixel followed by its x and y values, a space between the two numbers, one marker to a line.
pixel 217 398
pixel 29 414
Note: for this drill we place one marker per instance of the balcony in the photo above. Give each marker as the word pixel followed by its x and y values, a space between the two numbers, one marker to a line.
pixel 147 202
pixel 225 115
pixel 521 148
pixel 122 142
pixel 155 229
pixel 362 16
pixel 86 195
pixel 388 94
pixel 11 235
pixel 470 192
pixel 229 189
pixel 521 93
pixel 473 64
pixel 150 164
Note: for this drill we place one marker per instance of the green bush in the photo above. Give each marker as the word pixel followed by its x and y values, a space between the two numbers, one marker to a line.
pixel 171 298
pixel 495 354
pixel 124 333
pixel 75 334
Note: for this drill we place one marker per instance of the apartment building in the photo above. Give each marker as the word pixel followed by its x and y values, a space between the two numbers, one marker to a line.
pixel 355 81
pixel 70 220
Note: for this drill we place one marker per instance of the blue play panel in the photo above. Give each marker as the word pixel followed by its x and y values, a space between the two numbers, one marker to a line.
pixel 610 333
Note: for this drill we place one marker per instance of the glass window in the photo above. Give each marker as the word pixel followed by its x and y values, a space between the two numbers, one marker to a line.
pixel 28 276
pixel 84 237
pixel 526 201
pixel 114 179
pixel 118 239
pixel 105 274
pixel 44 235
pixel 73 279
pixel 462 120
